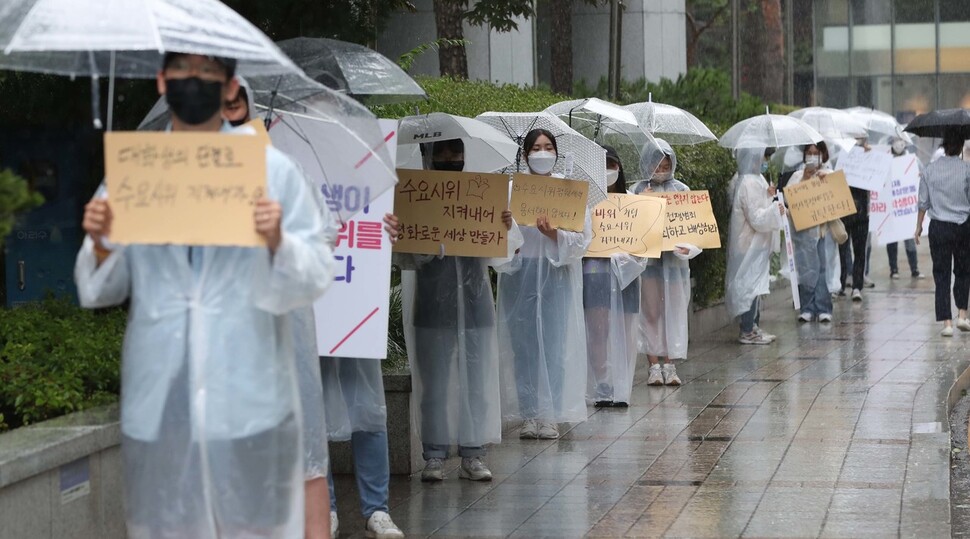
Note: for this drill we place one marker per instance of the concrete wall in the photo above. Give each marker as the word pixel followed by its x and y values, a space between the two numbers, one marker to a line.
pixel 492 56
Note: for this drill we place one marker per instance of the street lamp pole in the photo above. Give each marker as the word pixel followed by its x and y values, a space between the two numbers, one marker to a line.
pixel 614 63
pixel 735 61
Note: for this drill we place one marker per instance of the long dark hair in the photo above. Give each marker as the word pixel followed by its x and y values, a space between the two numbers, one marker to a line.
pixel 823 149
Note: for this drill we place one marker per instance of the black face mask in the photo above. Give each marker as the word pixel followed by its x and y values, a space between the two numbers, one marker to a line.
pixel 193 100
pixel 451 166
pixel 237 123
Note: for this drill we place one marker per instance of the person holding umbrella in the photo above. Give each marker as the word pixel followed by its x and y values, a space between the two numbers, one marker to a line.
pixel 611 301
pixel 665 288
pixel 944 194
pixel 210 432
pixel 756 217
pixel 540 313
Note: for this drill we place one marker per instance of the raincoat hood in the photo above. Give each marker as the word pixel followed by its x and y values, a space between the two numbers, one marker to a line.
pixel 749 160
pixel 652 156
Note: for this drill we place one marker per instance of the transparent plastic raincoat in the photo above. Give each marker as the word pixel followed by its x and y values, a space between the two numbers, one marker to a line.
pixel 541 327
pixel 755 222
pixel 665 284
pixel 611 299
pixel 353 394
pixel 210 417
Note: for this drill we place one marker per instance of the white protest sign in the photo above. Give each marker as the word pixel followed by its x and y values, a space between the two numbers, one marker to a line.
pixel 790 252
pixel 893 210
pixel 866 170
pixel 352 316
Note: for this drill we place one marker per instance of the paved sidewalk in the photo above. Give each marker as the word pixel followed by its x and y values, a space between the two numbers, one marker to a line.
pixel 833 431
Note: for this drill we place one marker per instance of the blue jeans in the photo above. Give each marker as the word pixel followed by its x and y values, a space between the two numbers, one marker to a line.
pixel 372 470
pixel 432 451
pixel 751 318
pixel 816 299
pixel 892 250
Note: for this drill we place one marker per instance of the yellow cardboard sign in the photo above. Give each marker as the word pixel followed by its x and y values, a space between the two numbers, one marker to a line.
pixel 814 201
pixel 562 201
pixel 630 224
pixel 451 213
pixel 690 219
pixel 184 188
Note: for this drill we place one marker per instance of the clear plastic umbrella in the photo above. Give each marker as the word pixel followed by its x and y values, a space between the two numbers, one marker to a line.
pixel 878 124
pixel 312 123
pixel 606 123
pixel 486 148
pixel 127 38
pixel 581 158
pixel 831 123
pixel 675 125
pixel 769 131
pixel 363 73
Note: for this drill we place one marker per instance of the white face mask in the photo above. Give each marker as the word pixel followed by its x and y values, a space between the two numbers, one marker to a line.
pixel 813 161
pixel 542 162
pixel 661 177
pixel 899 146
pixel 611 176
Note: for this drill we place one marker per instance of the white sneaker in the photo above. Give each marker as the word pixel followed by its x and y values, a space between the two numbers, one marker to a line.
pixel 805 317
pixel 753 338
pixel 919 276
pixel 894 275
pixel 474 469
pixel 963 324
pixel 825 317
pixel 656 377
pixel 947 331
pixel 334 525
pixel 530 429
pixel 856 295
pixel 548 431
pixel 765 334
pixel 433 471
pixel 867 283
pixel 380 526
pixel 670 375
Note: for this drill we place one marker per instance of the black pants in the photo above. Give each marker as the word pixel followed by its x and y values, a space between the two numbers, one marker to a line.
pixel 950 249
pixel 858 228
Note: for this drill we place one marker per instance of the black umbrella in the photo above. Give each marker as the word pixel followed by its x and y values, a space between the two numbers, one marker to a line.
pixel 364 74
pixel 940 123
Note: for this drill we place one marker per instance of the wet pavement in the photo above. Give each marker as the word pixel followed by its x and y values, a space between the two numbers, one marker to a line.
pixel 836 430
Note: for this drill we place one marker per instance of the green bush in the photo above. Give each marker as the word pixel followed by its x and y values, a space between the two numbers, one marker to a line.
pixel 56 358
pixel 470 98
pixel 15 198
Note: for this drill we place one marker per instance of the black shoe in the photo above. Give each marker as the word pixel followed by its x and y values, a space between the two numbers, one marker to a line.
pixel 603 404
pixel 620 405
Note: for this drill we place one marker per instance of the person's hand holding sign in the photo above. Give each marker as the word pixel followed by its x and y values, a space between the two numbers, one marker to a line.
pixel 507 219
pixel 392 226
pixel 267 216
pixel 97 223
pixel 551 232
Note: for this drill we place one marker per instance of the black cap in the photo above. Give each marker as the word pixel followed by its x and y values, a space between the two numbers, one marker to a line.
pixel 611 154
pixel 228 63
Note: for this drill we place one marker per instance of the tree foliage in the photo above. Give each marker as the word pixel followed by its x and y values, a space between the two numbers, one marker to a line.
pixel 15 198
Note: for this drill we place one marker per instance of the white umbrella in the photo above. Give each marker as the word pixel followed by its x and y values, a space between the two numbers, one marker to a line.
pixel 486 148
pixel 878 123
pixel 127 38
pixel 581 158
pixel 831 123
pixel 606 123
pixel 769 131
pixel 675 125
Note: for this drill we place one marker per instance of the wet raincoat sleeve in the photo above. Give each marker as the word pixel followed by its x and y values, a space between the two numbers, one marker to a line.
pixel 515 241
pixel 626 268
pixel 572 246
pixel 303 266
pixel 759 210
pixel 105 285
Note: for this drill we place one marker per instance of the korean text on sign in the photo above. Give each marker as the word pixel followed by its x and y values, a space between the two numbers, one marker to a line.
pixel 689 219
pixel 813 202
pixel 184 188
pixel 628 224
pixel 562 201
pixel 454 213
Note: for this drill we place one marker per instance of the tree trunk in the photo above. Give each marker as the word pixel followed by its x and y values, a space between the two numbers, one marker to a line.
pixel 452 61
pixel 774 52
pixel 562 46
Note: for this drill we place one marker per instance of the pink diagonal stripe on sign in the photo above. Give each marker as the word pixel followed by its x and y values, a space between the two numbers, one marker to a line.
pixel 362 322
pixel 370 153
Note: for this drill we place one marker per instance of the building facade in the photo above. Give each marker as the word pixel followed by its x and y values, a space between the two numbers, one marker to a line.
pixel 904 57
